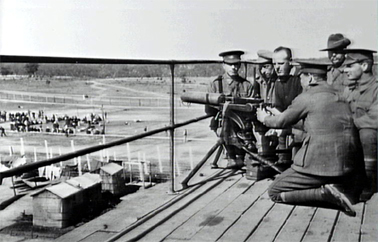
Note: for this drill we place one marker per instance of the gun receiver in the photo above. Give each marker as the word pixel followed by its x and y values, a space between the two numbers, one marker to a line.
pixel 243 104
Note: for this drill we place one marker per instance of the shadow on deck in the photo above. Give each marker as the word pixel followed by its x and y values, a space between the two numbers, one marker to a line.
pixel 226 207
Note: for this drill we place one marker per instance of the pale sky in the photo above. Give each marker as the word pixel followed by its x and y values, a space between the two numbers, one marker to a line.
pixel 181 29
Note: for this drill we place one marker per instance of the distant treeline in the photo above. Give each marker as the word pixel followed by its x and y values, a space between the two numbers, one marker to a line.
pixel 109 71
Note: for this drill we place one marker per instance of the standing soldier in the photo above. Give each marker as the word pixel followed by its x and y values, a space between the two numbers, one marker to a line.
pixel 267 76
pixel 363 100
pixel 266 142
pixel 288 87
pixel 230 84
pixel 336 76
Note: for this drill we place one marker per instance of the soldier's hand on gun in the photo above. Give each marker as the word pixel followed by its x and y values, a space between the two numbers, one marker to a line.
pixel 273 132
pixel 261 113
pixel 274 111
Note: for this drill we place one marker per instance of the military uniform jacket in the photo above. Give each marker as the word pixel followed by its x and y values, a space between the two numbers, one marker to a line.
pixel 330 145
pixel 285 91
pixel 363 101
pixel 337 78
pixel 235 87
pixel 267 88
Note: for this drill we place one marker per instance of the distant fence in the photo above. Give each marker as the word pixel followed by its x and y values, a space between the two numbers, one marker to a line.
pixel 115 101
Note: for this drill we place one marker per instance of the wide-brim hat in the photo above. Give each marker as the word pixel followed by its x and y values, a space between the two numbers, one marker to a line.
pixel 313 66
pixel 336 42
pixel 232 56
pixel 264 57
pixel 357 55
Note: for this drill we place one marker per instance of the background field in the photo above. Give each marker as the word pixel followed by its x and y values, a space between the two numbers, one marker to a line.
pixel 141 103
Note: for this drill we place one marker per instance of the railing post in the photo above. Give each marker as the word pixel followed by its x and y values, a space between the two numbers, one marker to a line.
pixel 172 130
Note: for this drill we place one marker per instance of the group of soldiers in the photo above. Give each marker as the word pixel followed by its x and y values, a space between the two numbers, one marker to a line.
pixel 330 111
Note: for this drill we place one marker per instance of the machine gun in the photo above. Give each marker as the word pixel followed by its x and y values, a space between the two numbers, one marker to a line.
pixel 241 112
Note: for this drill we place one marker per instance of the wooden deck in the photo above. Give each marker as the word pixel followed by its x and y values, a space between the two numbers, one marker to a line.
pixel 225 207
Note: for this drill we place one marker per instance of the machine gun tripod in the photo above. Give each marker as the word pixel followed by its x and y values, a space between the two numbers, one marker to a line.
pixel 240 112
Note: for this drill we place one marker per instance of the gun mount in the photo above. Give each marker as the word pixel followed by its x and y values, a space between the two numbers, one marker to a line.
pixel 241 113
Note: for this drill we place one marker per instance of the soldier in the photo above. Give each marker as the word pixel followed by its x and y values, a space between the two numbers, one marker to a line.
pixel 287 87
pixel 267 76
pixel 288 84
pixel 336 76
pixel 266 142
pixel 364 104
pixel 230 84
pixel 328 166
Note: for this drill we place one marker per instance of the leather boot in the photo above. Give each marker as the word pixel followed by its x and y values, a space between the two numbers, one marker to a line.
pixel 333 195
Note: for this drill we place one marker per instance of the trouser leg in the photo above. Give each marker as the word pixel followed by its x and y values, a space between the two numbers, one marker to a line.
pixel 284 158
pixel 294 185
pixel 296 188
pixel 369 146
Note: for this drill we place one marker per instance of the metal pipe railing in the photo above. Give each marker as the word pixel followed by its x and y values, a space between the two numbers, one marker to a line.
pixel 172 131
pixel 31 166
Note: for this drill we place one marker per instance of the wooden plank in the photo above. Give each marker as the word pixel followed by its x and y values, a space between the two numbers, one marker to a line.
pixel 209 215
pixel 272 223
pixel 98 236
pixel 215 228
pixel 250 220
pixel 369 230
pixel 296 225
pixel 205 195
pixel 203 173
pixel 348 228
pixel 321 225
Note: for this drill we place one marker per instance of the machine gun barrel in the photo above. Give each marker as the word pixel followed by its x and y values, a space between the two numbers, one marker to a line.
pixel 204 98
pixel 218 99
pixel 244 100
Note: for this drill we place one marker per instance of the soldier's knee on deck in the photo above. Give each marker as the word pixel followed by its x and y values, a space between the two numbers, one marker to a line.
pixel 274 195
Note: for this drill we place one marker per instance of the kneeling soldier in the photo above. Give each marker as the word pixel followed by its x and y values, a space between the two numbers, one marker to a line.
pixel 327 167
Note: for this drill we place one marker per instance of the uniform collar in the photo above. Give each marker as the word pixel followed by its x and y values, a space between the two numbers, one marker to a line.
pixel 230 79
pixel 339 69
pixel 320 86
pixel 266 81
pixel 363 85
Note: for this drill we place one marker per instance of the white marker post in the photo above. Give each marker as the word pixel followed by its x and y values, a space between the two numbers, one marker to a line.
pixel 191 158
pixel 76 160
pixel 35 154
pixel 46 150
pixel 60 153
pixel 159 160
pixel 89 163
pixel 145 163
pixel 22 148
pixel 129 159
pixel 101 154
